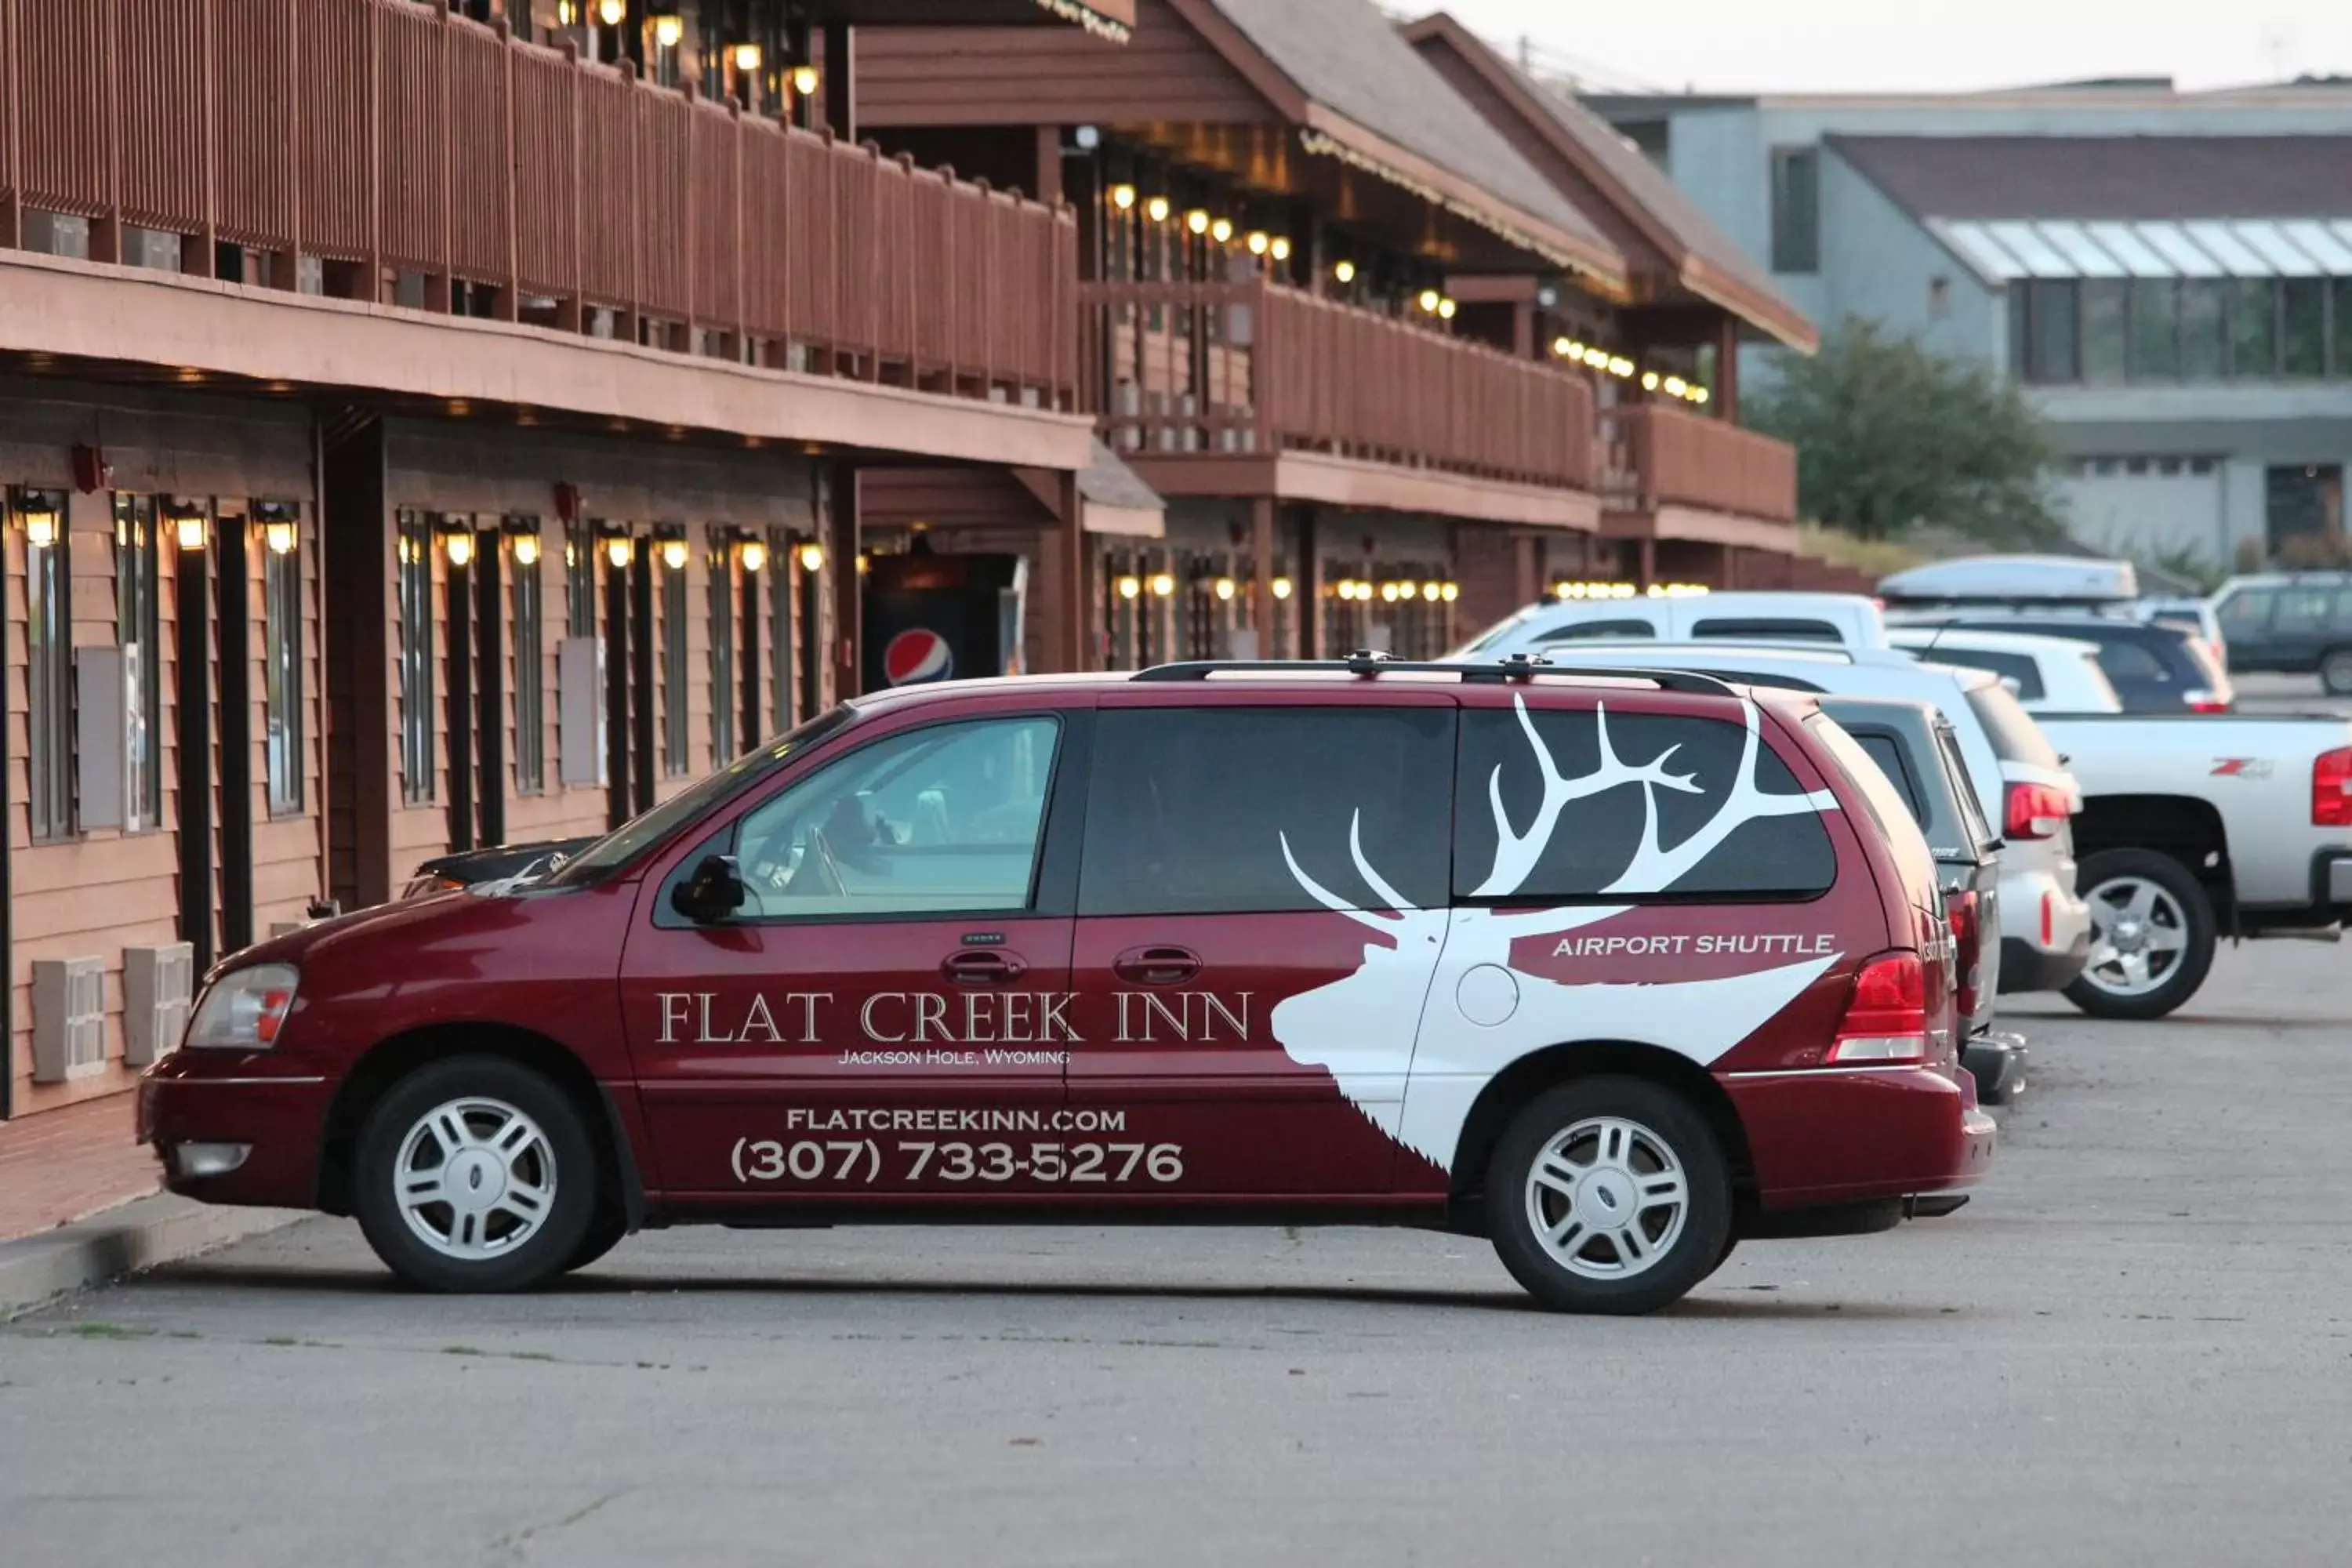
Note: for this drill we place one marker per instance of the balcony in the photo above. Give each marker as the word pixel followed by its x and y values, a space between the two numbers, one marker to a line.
pixel 1696 478
pixel 388 153
pixel 1255 389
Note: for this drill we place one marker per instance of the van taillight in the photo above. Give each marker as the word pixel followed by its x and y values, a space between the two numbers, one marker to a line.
pixel 2331 789
pixel 2205 702
pixel 2037 810
pixel 1968 938
pixel 1886 1019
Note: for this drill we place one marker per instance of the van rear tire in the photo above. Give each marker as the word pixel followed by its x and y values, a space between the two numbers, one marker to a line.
pixel 1609 1196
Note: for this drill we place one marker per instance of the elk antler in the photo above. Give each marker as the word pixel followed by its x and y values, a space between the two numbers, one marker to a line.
pixel 1515 854
pixel 1654 871
pixel 1333 902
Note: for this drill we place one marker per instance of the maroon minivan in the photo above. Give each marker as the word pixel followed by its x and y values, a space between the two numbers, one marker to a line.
pixel 1615 969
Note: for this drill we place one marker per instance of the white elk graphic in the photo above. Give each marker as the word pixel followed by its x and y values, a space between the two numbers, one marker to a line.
pixel 1481 1015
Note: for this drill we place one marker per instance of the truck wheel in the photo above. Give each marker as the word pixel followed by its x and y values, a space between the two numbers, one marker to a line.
pixel 1609 1194
pixel 475 1173
pixel 2335 671
pixel 2152 935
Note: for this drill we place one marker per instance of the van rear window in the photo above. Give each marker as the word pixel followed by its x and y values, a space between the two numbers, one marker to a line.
pixel 1592 844
pixel 1778 628
pixel 2016 738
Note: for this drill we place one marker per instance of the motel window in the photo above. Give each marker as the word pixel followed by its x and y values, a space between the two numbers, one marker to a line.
pixel 722 655
pixel 2049 316
pixel 2253 328
pixel 529 659
pixel 2303 326
pixel 2154 330
pixel 2203 306
pixel 139 631
pixel 416 592
pixel 1796 209
pixel 579 579
pixel 2339 311
pixel 282 614
pixel 48 636
pixel 676 760
pixel 2104 329
pixel 782 570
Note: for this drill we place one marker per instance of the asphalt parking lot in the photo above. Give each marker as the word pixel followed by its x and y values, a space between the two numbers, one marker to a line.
pixel 2135 1346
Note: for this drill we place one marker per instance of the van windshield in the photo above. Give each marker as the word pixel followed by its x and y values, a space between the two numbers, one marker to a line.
pixel 645 830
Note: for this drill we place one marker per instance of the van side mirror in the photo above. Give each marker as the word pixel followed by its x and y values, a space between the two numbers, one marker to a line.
pixel 713 892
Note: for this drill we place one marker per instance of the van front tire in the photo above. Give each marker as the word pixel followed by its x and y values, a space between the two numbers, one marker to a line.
pixel 475 1173
pixel 1609 1196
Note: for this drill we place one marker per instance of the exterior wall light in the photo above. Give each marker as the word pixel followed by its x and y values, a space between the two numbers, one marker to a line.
pixel 1197 220
pixel 751 555
pixel 1445 308
pixel 1122 196
pixel 1259 243
pixel 189 524
pixel 1163 585
pixel 1698 394
pixel 522 539
pixel 747 57
pixel 1432 592
pixel 1567 348
pixel 617 551
pixel 1130 586
pixel 811 554
pixel 1225 588
pixel 613 10
pixel 1429 300
pixel 1279 249
pixel 279 534
pixel 457 541
pixel 1281 587
pixel 1388 592
pixel 1222 230
pixel 1620 367
pixel 1156 210
pixel 38 512
pixel 673 549
pixel 805 79
pixel 1452 591
pixel 1343 271
pixel 1649 381
pixel 670 27
pixel 1675 387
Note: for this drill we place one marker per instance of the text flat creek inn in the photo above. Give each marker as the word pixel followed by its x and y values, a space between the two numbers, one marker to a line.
pixel 432 424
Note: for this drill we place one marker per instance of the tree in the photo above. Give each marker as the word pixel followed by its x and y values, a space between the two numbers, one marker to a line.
pixel 1888 434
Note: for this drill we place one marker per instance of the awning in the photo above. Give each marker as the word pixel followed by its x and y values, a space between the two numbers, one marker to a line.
pixel 2002 252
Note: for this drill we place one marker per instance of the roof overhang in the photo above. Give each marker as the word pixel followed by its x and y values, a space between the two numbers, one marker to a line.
pixel 2001 251
pixel 1112 19
pixel 1702 525
pixel 1693 272
pixel 198 329
pixel 1356 485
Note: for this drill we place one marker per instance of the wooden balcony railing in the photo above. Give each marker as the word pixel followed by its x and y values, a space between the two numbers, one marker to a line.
pixel 1652 454
pixel 1254 367
pixel 378 138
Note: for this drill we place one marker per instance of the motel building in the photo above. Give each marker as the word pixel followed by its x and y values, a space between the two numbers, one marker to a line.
pixel 435 423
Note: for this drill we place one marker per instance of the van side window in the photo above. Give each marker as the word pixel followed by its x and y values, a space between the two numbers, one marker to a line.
pixel 1592 846
pixel 942 819
pixel 1190 809
pixel 2302 609
pixel 1883 750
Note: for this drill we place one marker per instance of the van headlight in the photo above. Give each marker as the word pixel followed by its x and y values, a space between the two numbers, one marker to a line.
pixel 245 1009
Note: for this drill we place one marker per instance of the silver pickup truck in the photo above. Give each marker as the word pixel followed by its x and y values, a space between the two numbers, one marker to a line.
pixel 2197 826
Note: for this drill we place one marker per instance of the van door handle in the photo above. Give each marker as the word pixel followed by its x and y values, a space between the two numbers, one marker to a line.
pixel 985 966
pixel 1157 965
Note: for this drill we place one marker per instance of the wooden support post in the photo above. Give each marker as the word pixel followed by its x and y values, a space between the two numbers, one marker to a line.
pixel 840 524
pixel 1262 520
pixel 841 81
pixel 1076 607
pixel 1727 370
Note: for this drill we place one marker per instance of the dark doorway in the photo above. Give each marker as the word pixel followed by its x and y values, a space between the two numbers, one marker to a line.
pixel 2302 501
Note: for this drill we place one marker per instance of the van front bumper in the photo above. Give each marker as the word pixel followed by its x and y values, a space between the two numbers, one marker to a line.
pixel 1833 1135
pixel 198 1108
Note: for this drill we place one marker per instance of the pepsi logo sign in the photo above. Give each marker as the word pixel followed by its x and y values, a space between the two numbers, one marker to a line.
pixel 915 656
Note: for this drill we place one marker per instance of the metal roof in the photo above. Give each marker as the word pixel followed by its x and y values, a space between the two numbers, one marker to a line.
pixel 2001 251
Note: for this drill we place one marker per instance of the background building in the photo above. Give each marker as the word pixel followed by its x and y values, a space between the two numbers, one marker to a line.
pixel 2169 274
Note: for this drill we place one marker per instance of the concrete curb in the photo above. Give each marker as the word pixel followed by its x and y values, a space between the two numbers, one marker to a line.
pixel 37 1269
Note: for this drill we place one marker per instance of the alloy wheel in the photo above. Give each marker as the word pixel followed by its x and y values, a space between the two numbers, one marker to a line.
pixel 2138 933
pixel 1607 1198
pixel 475 1178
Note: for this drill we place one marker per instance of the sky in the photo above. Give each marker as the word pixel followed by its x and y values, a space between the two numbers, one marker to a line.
pixel 1845 46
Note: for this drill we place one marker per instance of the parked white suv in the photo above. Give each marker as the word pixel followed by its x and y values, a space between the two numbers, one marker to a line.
pixel 1846 620
pixel 2047 675
pixel 2023 786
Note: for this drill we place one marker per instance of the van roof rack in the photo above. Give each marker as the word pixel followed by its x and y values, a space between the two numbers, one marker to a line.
pixel 1367 663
